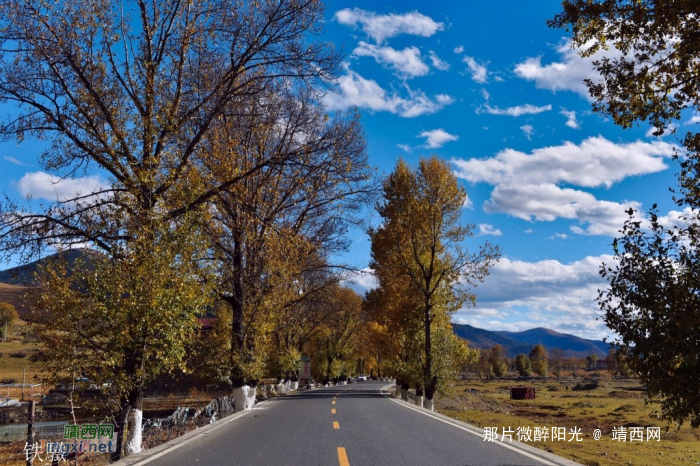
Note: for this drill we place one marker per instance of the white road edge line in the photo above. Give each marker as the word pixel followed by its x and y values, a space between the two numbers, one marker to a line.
pixel 505 445
pixel 185 442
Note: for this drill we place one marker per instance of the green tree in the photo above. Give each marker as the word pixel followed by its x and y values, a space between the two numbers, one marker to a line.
pixel 653 304
pixel 652 300
pixel 8 314
pixel 417 254
pixel 122 322
pixel 498 361
pixel 137 91
pixel 538 357
pixel 522 365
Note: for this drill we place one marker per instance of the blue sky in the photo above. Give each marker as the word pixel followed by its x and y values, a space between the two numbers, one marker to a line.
pixel 490 88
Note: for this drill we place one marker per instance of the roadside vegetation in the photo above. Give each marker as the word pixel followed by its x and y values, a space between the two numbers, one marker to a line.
pixel 593 401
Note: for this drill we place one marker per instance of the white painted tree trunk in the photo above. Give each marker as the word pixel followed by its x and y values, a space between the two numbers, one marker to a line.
pixel 244 398
pixel 295 385
pixel 418 401
pixel 429 405
pixel 135 435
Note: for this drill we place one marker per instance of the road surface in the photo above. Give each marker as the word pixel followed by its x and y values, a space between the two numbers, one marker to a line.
pixel 356 424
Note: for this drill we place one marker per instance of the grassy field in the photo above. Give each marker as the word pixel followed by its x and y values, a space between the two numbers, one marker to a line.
pixel 15 356
pixel 559 403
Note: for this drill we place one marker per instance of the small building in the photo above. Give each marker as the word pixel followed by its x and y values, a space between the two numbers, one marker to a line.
pixel 522 393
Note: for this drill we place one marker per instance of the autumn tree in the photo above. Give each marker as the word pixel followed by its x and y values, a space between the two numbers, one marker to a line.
pixel 651 76
pixel 538 357
pixel 333 345
pixel 557 361
pixel 523 365
pixel 418 252
pixel 8 314
pixel 498 361
pixel 274 230
pixel 132 91
pixel 122 323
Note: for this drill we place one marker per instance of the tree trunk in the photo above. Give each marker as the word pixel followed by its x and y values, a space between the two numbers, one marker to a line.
pixel 133 401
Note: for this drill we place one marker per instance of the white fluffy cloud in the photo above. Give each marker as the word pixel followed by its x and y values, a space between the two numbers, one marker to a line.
pixel 382 27
pixel 526 185
pixel 41 185
pixel 459 49
pixel 556 295
pixel 437 138
pixel 488 229
pixel 528 131
pixel 571 121
pixel 565 75
pixel 366 93
pixel 362 281
pixel 437 62
pixel 595 162
pixel 407 63
pixel 547 202
pixel 478 72
pixel 518 110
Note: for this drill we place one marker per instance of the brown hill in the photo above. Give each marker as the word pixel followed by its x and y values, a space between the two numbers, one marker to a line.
pixel 16 295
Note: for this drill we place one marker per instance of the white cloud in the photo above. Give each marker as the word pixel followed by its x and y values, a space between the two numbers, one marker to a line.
pixel 670 129
pixel 571 121
pixel 566 75
pixel 595 162
pixel 485 94
pixel 547 202
pixel 437 62
pixel 407 63
pixel 559 236
pixel 404 147
pixel 13 160
pixel 437 138
pixel 487 229
pixel 382 27
pixel 366 93
pixel 518 110
pixel 459 49
pixel 362 281
pixel 555 295
pixel 41 185
pixel 528 130
pixel 478 72
pixel 525 189
pixel 693 120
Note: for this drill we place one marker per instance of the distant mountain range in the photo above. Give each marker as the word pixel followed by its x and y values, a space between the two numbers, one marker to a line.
pixel 24 275
pixel 522 342
pixel 513 342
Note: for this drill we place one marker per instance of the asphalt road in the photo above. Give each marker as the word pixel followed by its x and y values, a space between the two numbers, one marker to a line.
pixel 354 424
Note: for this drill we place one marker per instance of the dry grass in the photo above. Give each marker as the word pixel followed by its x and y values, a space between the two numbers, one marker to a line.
pixel 615 403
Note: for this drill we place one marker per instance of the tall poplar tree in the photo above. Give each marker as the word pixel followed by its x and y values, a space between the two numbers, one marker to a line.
pixel 419 258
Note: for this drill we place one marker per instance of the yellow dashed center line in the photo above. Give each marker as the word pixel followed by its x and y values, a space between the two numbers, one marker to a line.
pixel 333 402
pixel 343 457
pixel 333 411
pixel 336 425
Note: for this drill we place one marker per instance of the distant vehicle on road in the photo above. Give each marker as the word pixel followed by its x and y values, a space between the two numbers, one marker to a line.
pixel 362 378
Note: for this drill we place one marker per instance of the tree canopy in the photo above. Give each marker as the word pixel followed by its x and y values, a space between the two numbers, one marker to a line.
pixel 424 271
pixel 651 73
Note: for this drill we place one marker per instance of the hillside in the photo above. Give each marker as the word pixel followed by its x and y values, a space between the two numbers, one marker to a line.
pixel 24 274
pixel 15 295
pixel 522 342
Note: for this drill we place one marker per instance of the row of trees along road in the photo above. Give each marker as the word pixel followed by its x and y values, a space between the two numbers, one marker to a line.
pixel 653 301
pixel 424 273
pixel 227 185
